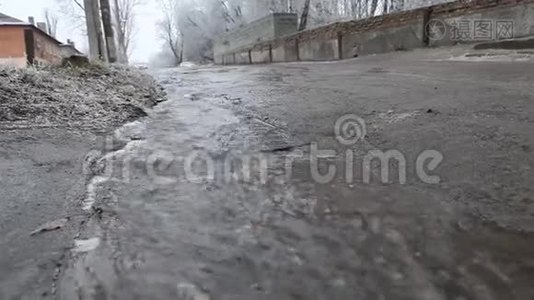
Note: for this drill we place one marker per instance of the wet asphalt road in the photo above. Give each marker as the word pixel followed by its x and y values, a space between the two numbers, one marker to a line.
pixel 165 227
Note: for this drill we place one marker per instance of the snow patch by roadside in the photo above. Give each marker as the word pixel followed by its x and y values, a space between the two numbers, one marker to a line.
pixel 98 96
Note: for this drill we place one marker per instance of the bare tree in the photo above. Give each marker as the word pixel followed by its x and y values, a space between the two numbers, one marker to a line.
pixel 78 3
pixel 124 22
pixel 73 11
pixel 51 23
pixel 304 16
pixel 171 32
pixel 374 6
pixel 122 14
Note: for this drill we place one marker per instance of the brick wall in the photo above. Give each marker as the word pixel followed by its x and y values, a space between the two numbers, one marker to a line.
pixel 13 46
pixel 12 42
pixel 47 51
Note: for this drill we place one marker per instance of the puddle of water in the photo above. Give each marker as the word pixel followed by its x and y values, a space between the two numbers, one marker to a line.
pixel 199 121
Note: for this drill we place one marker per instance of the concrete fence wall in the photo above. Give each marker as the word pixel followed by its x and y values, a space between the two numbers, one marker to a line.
pixel 438 25
pixel 518 16
pixel 264 29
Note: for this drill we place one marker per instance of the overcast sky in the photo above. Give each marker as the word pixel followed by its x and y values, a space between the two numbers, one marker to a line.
pixel 146 41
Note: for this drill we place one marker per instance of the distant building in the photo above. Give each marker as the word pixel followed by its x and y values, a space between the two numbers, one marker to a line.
pixel 69 49
pixel 23 43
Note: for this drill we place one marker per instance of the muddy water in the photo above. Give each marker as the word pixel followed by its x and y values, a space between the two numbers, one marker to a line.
pixel 176 220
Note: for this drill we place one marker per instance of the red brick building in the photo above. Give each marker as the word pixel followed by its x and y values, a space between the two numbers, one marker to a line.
pixel 23 43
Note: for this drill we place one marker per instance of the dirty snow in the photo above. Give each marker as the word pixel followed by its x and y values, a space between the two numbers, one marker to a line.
pixel 97 96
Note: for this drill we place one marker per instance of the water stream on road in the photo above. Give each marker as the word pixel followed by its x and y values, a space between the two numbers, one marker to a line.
pixel 177 221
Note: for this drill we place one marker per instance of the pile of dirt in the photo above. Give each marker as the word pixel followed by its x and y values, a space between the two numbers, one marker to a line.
pixel 96 96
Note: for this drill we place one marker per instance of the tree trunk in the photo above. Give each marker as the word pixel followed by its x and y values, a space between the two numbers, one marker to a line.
pixel 102 53
pixel 304 17
pixel 108 31
pixel 122 29
pixel 181 60
pixel 94 52
pixel 374 5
